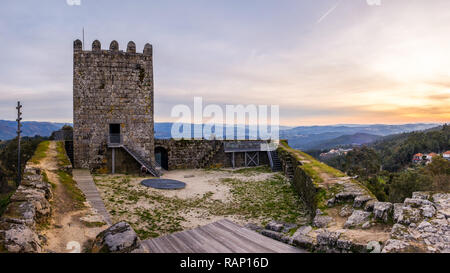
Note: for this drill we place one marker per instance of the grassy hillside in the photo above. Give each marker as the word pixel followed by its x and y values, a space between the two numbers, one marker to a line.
pixel 347 140
pixel 396 151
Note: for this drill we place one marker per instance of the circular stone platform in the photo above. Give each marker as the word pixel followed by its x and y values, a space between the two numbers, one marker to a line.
pixel 164 184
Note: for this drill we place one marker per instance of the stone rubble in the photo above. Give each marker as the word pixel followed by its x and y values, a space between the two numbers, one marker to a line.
pixel 29 205
pixel 420 225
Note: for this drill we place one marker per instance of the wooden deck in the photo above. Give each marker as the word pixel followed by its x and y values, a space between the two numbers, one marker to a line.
pixel 219 237
pixel 87 186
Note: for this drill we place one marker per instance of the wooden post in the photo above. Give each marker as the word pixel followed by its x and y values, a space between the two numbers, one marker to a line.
pixel 113 167
pixel 19 131
pixel 233 162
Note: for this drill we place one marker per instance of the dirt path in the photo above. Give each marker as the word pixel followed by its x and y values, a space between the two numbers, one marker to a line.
pixel 65 229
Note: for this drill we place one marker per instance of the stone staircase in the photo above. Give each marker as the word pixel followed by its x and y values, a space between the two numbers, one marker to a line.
pixel 150 167
pixel 206 160
pixel 289 168
pixel 276 163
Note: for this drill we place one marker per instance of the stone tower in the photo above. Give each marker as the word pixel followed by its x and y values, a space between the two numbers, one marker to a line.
pixel 113 104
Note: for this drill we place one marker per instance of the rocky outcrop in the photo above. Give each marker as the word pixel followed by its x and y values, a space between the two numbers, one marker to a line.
pixel 18 238
pixel 321 221
pixel 316 240
pixel 422 224
pixel 358 218
pixel 119 238
pixel 30 205
pixel 382 211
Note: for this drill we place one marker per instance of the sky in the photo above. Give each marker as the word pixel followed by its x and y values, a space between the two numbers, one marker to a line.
pixel 323 61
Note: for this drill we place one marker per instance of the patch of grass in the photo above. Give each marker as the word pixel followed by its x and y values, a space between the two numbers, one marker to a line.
pixel 214 167
pixel 94 224
pixel 310 165
pixel 40 153
pixel 253 171
pixel 257 201
pixel 4 201
pixel 71 187
pixel 61 156
pixel 45 179
pixel 272 199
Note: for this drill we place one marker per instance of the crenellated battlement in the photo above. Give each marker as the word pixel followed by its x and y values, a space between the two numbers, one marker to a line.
pixel 113 48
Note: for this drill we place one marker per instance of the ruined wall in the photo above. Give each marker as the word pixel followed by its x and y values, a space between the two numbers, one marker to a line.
pixel 301 182
pixel 29 207
pixel 193 154
pixel 112 86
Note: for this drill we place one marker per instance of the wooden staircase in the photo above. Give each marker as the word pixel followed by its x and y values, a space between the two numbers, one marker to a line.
pixel 150 167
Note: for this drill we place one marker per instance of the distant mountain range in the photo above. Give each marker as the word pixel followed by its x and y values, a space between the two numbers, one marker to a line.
pixel 347 140
pixel 8 129
pixel 316 137
pixel 303 137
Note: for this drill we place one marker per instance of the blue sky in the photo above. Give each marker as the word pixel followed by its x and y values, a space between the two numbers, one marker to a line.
pixel 323 62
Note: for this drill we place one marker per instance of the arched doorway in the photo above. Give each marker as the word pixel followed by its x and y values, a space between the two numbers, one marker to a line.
pixel 162 157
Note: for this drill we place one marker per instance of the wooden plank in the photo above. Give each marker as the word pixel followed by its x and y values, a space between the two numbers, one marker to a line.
pixel 220 237
pixel 262 240
pixel 239 244
pixel 262 244
pixel 86 184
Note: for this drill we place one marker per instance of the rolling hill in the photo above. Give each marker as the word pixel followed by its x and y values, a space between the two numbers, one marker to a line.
pixel 314 137
pixel 30 128
pixel 347 140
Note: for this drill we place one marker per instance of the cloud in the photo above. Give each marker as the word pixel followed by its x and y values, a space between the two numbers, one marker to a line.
pixel 363 64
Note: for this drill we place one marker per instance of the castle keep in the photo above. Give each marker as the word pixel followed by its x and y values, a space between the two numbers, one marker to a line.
pixel 114 125
pixel 113 105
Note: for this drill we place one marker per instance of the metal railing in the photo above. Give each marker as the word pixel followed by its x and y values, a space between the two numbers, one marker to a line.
pixel 115 139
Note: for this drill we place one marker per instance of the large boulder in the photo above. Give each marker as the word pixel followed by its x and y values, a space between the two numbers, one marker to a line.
pixel 275 235
pixel 395 246
pixel 303 241
pixel 417 203
pixel 18 238
pixel 421 195
pixel 34 196
pixel 358 218
pixel 119 238
pixel 22 213
pixel 382 210
pixel 346 211
pixel 327 241
pixel 360 201
pixel 441 200
pixel 406 215
pixel 321 221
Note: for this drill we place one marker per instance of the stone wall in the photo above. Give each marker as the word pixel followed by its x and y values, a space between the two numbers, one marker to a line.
pixel 30 206
pixel 303 184
pixel 124 162
pixel 193 154
pixel 112 87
